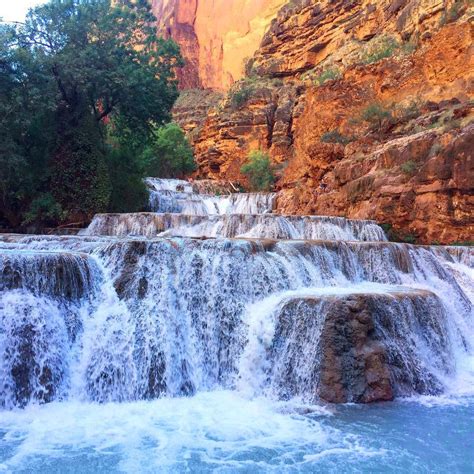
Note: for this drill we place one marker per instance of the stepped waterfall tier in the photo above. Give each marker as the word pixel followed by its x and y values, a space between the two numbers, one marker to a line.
pixel 212 300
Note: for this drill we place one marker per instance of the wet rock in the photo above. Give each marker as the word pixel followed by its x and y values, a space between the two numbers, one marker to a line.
pixel 360 348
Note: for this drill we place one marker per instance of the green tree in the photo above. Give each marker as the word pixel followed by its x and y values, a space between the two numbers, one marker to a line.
pixel 376 115
pixel 170 155
pixel 126 171
pixel 72 74
pixel 26 124
pixel 259 171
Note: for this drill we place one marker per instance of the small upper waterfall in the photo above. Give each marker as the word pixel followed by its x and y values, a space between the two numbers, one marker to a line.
pixel 182 197
pixel 173 303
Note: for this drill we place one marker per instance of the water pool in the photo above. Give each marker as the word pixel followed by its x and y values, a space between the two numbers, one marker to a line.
pixel 224 432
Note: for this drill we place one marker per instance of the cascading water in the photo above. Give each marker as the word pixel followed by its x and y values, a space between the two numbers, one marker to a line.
pixel 138 309
pixel 177 196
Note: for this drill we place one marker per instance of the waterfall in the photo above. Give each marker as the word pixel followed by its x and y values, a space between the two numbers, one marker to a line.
pixel 283 306
pixel 182 197
pixel 260 226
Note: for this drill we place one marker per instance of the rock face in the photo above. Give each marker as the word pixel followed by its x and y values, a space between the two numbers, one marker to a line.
pixel 215 37
pixel 365 108
pixel 357 347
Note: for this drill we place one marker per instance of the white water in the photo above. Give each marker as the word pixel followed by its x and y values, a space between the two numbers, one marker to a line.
pixel 137 323
pixel 177 196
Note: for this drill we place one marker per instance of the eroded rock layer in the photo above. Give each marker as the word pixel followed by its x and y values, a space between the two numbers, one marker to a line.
pixel 365 108
pixel 360 347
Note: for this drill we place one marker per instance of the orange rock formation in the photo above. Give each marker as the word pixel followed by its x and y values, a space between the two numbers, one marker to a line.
pixel 372 99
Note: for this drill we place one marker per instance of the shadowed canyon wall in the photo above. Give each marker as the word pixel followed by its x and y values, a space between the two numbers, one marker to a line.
pixel 216 37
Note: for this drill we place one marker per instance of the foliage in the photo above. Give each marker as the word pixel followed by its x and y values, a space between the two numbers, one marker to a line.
pixel 408 112
pixel 435 149
pixel 73 74
pixel 327 75
pixel 455 11
pixel 385 48
pixel 258 170
pixel 241 93
pixel 395 236
pixel 409 167
pixel 335 136
pixel 44 209
pixel 376 115
pixel 126 170
pixel 79 178
pixel 170 155
pixel 466 243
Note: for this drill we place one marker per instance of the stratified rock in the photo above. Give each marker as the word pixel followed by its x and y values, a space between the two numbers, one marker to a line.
pixel 413 171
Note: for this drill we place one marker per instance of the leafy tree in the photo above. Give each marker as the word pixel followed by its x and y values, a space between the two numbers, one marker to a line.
pixel 44 210
pixel 242 92
pixel 79 174
pixel 25 124
pixel 259 172
pixel 72 74
pixel 170 155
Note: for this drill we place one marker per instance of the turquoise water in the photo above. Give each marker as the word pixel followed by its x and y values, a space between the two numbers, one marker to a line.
pixel 225 432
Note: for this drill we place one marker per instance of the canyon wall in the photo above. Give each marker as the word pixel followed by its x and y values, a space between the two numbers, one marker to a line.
pixel 366 111
pixel 216 37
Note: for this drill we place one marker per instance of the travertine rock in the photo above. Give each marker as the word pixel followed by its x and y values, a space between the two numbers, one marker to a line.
pixel 358 347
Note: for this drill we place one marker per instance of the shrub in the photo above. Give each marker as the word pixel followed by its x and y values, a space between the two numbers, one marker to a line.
pixel 327 75
pixel 383 49
pixel 455 12
pixel 334 136
pixel 259 172
pixel 410 111
pixel 375 114
pixel 466 243
pixel 409 47
pixel 435 150
pixel 126 171
pixel 241 93
pixel 395 236
pixel 409 167
pixel 170 155
pixel 79 173
pixel 44 210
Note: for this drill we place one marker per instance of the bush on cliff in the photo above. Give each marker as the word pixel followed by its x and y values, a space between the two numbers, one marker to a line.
pixel 376 115
pixel 327 75
pixel 259 171
pixel 241 92
pixel 384 48
pixel 169 155
pixel 335 136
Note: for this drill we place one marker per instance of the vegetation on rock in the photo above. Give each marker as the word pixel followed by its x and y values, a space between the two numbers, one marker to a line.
pixel 376 115
pixel 335 136
pixel 242 92
pixel 382 49
pixel 169 154
pixel 259 171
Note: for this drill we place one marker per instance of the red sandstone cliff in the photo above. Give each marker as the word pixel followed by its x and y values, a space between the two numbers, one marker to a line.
pixel 374 99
